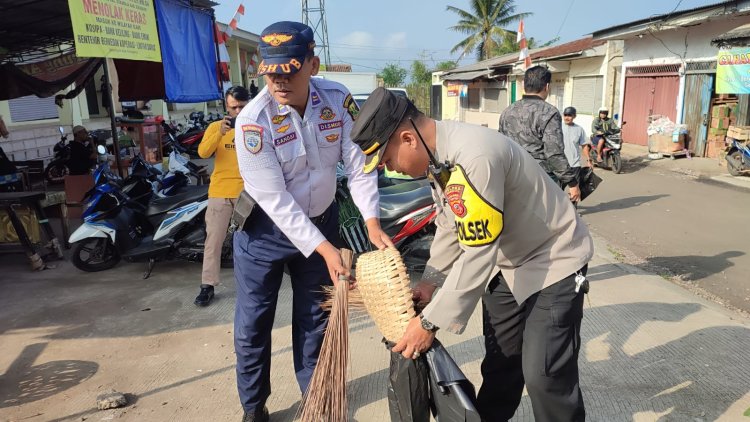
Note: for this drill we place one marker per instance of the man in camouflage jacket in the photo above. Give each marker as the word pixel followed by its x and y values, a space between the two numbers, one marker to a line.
pixel 537 126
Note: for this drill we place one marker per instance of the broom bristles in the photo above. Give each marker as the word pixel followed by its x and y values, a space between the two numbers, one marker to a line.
pixel 325 398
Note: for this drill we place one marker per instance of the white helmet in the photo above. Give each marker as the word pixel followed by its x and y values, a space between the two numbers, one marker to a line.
pixel 603 110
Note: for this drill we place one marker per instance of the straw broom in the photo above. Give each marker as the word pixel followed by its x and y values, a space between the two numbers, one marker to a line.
pixel 325 398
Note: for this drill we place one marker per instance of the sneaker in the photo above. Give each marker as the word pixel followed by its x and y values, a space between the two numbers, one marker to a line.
pixel 205 296
pixel 256 416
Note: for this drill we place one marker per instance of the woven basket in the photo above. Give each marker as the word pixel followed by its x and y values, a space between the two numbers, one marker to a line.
pixel 384 285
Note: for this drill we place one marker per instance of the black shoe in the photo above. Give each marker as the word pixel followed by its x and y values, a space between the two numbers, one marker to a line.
pixel 205 296
pixel 256 416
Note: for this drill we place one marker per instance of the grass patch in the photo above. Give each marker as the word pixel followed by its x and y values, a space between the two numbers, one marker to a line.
pixel 617 254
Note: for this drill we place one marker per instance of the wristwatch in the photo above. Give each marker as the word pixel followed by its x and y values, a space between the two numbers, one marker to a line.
pixel 427 325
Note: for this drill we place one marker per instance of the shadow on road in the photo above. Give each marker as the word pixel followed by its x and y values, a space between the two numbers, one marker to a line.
pixel 619 204
pixel 25 382
pixel 694 267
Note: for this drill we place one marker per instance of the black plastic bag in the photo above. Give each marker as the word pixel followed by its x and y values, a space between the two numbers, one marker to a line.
pixel 588 181
pixel 432 383
pixel 408 390
pixel 452 395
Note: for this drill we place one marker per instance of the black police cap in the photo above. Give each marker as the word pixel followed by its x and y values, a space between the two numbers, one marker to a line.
pixel 379 117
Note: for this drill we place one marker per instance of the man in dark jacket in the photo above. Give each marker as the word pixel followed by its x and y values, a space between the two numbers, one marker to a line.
pixel 537 126
pixel 82 152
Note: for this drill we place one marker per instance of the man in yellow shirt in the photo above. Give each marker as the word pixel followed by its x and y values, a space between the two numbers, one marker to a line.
pixel 225 187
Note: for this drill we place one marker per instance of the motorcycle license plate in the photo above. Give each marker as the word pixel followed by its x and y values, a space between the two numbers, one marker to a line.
pixel 616 146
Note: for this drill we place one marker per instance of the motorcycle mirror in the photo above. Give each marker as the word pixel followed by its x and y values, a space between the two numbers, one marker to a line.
pixel 62 131
pixel 101 150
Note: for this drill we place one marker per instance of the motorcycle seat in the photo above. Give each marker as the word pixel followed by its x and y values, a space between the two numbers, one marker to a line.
pixel 191 194
pixel 396 203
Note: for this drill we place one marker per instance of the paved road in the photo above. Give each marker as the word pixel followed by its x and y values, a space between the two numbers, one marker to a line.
pixel 651 351
pixel 677 225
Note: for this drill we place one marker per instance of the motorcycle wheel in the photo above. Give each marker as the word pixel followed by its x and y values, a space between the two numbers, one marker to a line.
pixel 227 252
pixel 95 254
pixel 55 173
pixel 734 163
pixel 616 163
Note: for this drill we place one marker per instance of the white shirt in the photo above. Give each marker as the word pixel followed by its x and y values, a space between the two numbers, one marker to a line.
pixel 288 162
pixel 573 137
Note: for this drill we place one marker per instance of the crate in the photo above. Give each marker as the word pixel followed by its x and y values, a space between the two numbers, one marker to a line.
pixel 740 133
pixel 720 123
pixel 719 111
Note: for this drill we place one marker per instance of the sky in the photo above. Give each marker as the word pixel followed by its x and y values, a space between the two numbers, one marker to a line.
pixel 371 34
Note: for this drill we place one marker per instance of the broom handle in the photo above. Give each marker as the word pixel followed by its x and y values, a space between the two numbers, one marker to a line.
pixel 347 256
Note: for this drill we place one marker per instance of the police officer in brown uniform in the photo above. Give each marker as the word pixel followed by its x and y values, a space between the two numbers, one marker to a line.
pixel 507 234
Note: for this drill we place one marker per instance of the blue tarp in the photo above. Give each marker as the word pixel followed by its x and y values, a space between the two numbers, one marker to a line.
pixel 188 52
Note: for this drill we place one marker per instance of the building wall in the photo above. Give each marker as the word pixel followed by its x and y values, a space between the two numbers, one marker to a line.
pixel 451 104
pixel 489 120
pixel 676 46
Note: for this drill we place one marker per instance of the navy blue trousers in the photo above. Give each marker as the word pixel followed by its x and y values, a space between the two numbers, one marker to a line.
pixel 260 253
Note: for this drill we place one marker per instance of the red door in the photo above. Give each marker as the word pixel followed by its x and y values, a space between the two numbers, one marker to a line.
pixel 647 95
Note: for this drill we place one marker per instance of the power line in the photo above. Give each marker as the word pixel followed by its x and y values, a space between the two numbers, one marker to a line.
pixel 572 2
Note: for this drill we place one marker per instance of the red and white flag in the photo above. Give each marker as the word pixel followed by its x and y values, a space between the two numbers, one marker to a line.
pixel 222 38
pixel 521 40
pixel 235 21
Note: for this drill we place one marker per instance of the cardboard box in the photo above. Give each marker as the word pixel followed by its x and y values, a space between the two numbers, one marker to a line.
pixel 720 111
pixel 665 144
pixel 715 148
pixel 741 133
pixel 720 123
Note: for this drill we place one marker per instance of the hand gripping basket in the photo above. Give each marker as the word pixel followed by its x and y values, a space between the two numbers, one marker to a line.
pixel 384 285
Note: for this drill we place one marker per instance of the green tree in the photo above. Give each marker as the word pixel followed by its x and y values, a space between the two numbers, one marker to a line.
pixel 484 26
pixel 420 74
pixel 393 75
pixel 508 44
pixel 446 65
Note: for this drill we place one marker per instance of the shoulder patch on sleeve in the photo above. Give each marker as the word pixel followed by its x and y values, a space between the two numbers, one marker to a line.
pixel 351 106
pixel 253 137
pixel 478 222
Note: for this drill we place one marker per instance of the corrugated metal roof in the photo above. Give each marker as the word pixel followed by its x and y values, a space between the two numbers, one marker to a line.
pixel 466 76
pixel 739 36
pixel 572 48
pixel 678 18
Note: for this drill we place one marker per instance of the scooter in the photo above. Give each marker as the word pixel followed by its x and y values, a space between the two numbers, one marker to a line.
pixel 57 169
pixel 611 158
pixel 118 227
pixel 407 214
pixel 738 157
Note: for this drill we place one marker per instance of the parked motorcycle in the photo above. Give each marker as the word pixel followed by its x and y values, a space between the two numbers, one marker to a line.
pixel 611 158
pixel 738 157
pixel 117 226
pixel 407 212
pixel 57 169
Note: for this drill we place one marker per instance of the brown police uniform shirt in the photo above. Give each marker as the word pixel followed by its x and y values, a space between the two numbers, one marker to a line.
pixel 499 212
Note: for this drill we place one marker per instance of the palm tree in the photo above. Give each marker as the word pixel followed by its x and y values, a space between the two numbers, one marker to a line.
pixel 484 26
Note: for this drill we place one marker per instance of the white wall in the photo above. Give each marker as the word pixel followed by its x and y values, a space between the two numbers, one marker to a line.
pixel 649 50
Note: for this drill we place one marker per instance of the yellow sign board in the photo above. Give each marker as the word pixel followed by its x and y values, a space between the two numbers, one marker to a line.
pixel 120 29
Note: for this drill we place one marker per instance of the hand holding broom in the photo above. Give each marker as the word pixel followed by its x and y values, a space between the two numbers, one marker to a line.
pixel 325 398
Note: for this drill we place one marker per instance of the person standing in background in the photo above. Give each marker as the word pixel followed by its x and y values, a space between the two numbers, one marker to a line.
pixel 225 187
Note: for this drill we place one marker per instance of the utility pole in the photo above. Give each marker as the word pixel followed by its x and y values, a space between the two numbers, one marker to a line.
pixel 314 16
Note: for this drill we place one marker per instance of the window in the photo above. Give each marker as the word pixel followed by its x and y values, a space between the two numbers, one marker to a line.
pixel 587 93
pixel 31 107
pixel 474 99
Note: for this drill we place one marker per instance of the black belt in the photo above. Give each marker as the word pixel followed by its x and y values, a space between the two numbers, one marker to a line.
pixel 322 218
pixel 319 220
